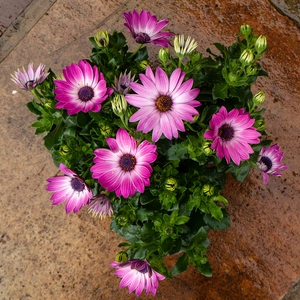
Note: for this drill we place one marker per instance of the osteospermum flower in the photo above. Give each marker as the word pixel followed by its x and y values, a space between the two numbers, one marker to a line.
pixel 70 188
pixel 184 47
pixel 145 28
pixel 30 79
pixel 122 84
pixel 164 103
pixel 125 168
pixel 100 206
pixel 137 275
pixel 232 132
pixel 269 162
pixel 82 89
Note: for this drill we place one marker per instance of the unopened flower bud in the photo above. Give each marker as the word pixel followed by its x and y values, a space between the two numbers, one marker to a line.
pixel 232 77
pixel 119 105
pixel 121 256
pixel 101 38
pixel 144 64
pixel 259 98
pixel 251 70
pixel 261 44
pixel 122 220
pixel 206 148
pixel 171 184
pixel 245 30
pixel 106 130
pixel 64 150
pixel 208 190
pixel 260 125
pixel 163 54
pixel 247 56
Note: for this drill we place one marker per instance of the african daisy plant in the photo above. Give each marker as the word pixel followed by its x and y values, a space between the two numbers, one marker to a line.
pixel 149 144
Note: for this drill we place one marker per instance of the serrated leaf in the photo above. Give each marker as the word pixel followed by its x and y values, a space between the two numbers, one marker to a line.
pixel 220 91
pixel 181 265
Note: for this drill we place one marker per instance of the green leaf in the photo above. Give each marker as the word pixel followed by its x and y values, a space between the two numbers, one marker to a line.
pixel 204 269
pixel 181 220
pixel 176 152
pixel 216 224
pixel 53 137
pixel 181 264
pixel 33 109
pixel 240 172
pixel 220 91
pixel 215 210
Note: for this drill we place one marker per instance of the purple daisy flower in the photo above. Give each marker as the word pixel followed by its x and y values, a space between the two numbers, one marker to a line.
pixel 144 28
pixel 122 84
pixel 82 89
pixel 30 79
pixel 125 168
pixel 164 103
pixel 232 132
pixel 70 188
pixel 137 275
pixel 269 162
pixel 100 206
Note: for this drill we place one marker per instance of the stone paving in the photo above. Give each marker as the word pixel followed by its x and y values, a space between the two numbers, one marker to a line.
pixel 46 254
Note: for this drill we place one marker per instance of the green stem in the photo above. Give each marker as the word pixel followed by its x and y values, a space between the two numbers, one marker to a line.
pixel 136 51
pixel 37 95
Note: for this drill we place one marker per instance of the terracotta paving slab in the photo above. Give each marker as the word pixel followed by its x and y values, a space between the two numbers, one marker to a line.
pixel 46 254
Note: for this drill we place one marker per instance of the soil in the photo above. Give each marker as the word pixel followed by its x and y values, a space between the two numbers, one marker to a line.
pixel 47 254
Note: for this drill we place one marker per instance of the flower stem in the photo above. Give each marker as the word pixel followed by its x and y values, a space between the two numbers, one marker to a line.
pixel 37 95
pixel 136 51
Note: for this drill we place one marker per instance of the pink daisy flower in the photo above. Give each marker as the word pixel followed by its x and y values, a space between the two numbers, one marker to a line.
pixel 269 162
pixel 125 168
pixel 137 275
pixel 164 103
pixel 144 28
pixel 82 89
pixel 232 132
pixel 30 79
pixel 70 188
pixel 100 206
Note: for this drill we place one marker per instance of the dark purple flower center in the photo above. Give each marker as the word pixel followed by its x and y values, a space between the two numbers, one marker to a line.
pixel 226 132
pixel 265 164
pixel 142 38
pixel 30 84
pixel 124 85
pixel 77 184
pixel 127 162
pixel 164 103
pixel 86 93
pixel 141 266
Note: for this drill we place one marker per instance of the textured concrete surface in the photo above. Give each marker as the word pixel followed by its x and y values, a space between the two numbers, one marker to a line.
pixel 46 254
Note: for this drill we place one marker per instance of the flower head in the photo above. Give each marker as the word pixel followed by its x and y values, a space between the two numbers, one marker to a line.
pixel 164 103
pixel 100 206
pixel 144 28
pixel 184 47
pixel 82 89
pixel 125 168
pixel 70 188
pixel 30 79
pixel 101 38
pixel 137 275
pixel 269 162
pixel 122 84
pixel 232 132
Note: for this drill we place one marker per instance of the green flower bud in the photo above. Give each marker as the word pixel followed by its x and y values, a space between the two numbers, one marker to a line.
pixel 232 77
pixel 261 44
pixel 259 98
pixel 251 70
pixel 64 150
pixel 206 148
pixel 208 190
pixel 122 256
pixel 106 130
pixel 122 220
pixel 247 56
pixel 119 104
pixel 163 54
pixel 144 64
pixel 260 125
pixel 102 38
pixel 171 184
pixel 245 30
